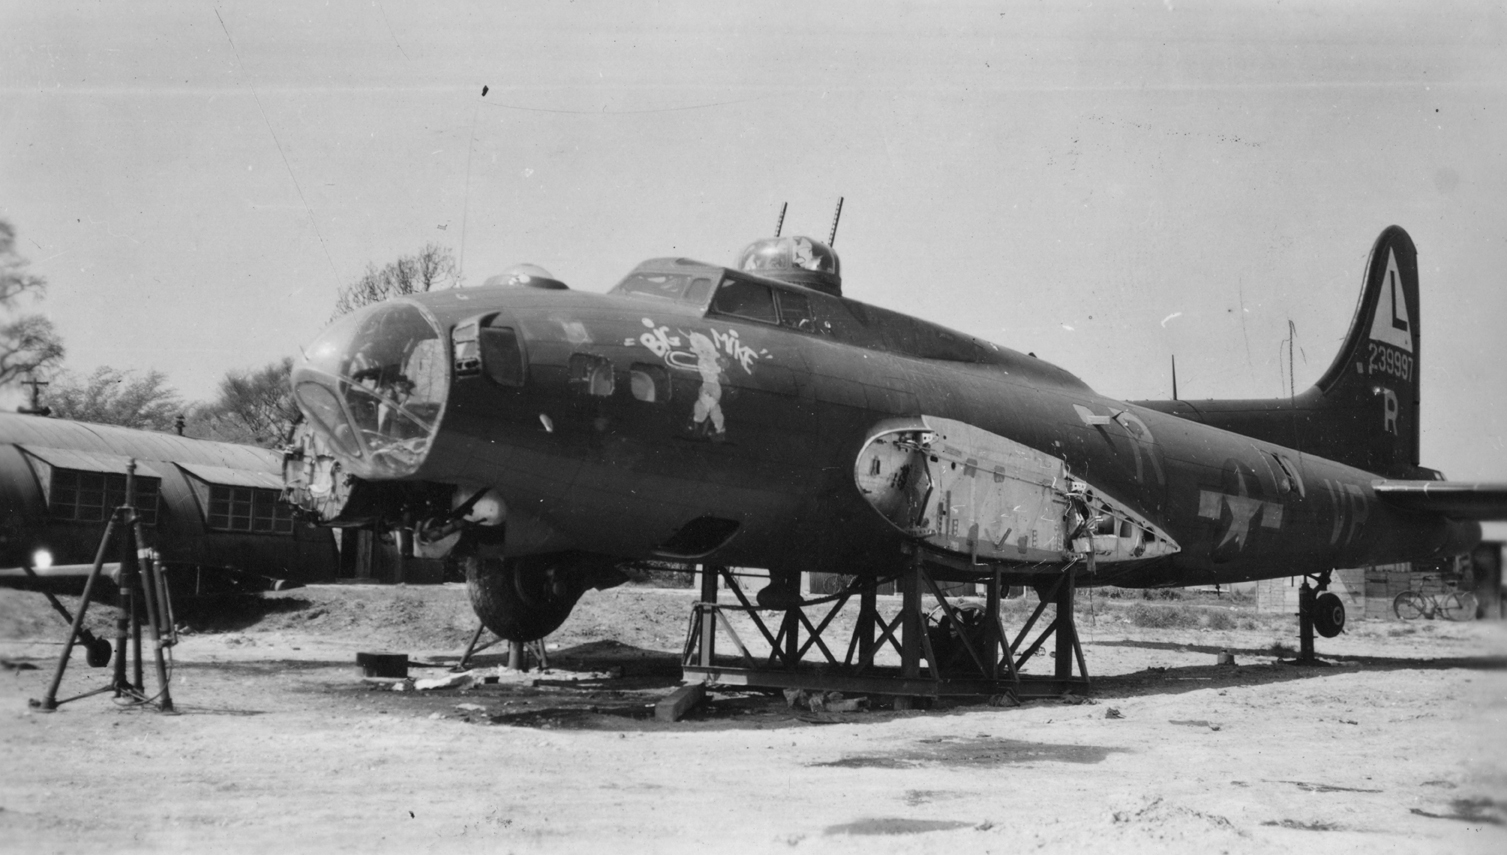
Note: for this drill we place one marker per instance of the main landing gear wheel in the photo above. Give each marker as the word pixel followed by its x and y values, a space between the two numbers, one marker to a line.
pixel 1328 615
pixel 1409 605
pixel 523 598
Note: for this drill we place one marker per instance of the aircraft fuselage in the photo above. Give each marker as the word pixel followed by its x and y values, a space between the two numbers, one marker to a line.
pixel 708 425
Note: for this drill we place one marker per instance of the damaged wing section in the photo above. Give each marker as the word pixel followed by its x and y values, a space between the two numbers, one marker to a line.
pixel 964 490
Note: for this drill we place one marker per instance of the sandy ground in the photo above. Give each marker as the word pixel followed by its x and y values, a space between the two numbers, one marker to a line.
pixel 279 744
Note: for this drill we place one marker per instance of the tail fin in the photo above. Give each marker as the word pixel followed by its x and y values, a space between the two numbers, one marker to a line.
pixel 1369 396
pixel 1364 410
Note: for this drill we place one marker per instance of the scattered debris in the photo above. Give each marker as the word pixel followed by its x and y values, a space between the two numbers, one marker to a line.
pixel 463 680
pixel 1113 712
pixel 1157 811
pixel 1007 699
pixel 16 666
pixel 1325 788
pixel 1482 810
pixel 888 826
pixel 835 702
pixel 824 701
pixel 1316 825
pixel 470 707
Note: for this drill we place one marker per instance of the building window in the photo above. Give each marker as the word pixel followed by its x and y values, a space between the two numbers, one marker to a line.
pixel 93 496
pixel 249 509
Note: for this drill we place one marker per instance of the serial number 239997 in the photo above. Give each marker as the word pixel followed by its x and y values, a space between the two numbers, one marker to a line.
pixel 1387 360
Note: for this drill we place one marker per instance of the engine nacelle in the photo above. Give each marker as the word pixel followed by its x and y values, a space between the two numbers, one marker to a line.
pixel 527 597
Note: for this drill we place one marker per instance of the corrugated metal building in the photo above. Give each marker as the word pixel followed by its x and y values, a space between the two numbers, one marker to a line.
pixel 201 503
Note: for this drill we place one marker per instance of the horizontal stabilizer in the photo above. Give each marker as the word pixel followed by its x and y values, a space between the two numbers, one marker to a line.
pixel 1455 499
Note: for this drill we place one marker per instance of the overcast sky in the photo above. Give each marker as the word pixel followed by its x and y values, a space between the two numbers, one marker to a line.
pixel 1103 185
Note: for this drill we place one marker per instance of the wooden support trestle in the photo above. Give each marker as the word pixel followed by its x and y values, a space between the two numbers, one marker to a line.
pixel 958 649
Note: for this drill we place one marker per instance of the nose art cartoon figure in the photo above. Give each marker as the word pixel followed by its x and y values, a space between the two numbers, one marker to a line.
pixel 709 401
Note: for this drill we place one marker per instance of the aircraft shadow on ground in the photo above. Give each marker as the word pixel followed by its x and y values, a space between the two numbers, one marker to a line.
pixel 232 612
pixel 1180 679
pixel 266 667
pixel 606 685
pixel 1478 663
pixel 640 667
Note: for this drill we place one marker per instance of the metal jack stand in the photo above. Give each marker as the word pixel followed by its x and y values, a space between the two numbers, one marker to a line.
pixel 517 651
pixel 142 588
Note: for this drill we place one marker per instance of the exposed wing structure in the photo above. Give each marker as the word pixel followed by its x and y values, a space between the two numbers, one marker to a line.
pixel 1456 499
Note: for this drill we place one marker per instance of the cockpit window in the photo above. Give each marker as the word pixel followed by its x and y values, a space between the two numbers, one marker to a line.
pixel 795 310
pixel 742 299
pixel 676 287
pixel 699 289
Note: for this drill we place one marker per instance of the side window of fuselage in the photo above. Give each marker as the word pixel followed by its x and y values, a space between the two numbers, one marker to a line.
pixel 501 356
pixel 649 383
pixel 591 374
pixel 1292 481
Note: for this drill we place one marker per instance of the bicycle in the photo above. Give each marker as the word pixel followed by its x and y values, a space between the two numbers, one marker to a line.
pixel 1452 605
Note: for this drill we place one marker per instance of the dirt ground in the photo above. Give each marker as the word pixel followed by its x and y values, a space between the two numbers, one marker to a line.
pixel 279 744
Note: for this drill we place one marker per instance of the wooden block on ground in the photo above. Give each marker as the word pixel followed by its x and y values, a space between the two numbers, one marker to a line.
pixel 383 664
pixel 680 702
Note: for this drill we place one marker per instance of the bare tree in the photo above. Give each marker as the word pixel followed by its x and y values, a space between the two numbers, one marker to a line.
pixel 28 342
pixel 111 396
pixel 433 266
pixel 255 407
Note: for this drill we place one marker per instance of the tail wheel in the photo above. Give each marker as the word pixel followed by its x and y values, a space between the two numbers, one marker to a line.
pixel 1409 605
pixel 1329 615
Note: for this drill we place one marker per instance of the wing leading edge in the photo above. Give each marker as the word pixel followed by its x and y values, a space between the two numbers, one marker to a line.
pixel 1460 500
